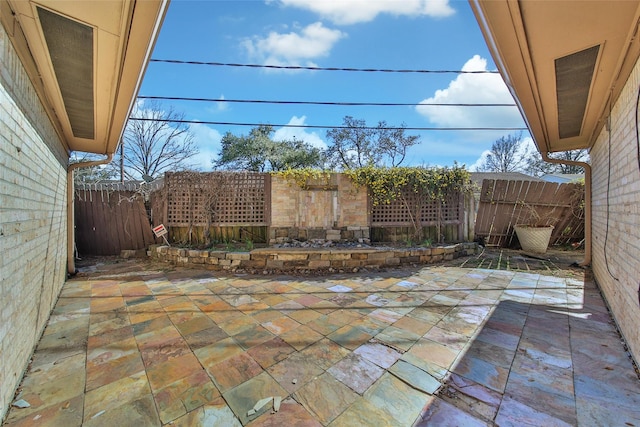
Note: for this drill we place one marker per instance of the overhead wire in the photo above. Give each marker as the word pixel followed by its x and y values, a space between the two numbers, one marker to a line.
pixel 331 103
pixel 339 103
pixel 289 125
pixel 309 68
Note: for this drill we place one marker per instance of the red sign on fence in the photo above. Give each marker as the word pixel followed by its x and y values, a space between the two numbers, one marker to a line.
pixel 160 230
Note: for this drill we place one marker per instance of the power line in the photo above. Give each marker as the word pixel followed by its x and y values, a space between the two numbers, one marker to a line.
pixel 299 67
pixel 205 122
pixel 341 103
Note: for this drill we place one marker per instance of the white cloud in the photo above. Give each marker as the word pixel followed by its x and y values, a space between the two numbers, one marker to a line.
pixel 208 141
pixel 294 48
pixel 222 106
pixel 474 167
pixel 471 89
pixel 355 11
pixel 299 133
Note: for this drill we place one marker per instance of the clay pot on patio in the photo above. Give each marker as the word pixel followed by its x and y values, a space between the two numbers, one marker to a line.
pixel 534 239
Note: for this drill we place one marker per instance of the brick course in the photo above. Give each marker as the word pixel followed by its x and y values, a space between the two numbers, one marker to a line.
pixel 32 219
pixel 616 214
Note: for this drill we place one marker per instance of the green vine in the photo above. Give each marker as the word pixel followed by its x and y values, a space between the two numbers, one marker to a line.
pixel 388 184
pixel 302 177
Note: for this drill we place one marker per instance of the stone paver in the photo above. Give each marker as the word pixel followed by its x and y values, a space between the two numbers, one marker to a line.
pixel 131 344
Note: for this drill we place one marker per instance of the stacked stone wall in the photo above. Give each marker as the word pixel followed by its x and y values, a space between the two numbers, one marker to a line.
pixel 295 259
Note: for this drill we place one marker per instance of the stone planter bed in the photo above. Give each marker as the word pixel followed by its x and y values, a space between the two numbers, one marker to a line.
pixel 266 260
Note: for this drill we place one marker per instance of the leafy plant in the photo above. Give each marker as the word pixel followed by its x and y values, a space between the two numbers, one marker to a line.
pixel 415 187
pixel 303 176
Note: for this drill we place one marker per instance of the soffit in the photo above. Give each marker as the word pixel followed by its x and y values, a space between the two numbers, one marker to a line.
pixel 564 62
pixel 89 59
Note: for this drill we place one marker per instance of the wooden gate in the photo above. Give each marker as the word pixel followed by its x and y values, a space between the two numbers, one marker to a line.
pixel 504 204
pixel 110 218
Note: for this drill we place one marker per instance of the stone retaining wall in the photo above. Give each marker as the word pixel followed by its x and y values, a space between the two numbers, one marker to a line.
pixel 288 259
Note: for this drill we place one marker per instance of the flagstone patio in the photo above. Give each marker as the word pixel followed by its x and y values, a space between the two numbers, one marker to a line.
pixel 138 344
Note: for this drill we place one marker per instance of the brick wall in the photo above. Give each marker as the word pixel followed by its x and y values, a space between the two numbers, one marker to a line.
pixel 333 210
pixel 616 214
pixel 339 204
pixel 32 219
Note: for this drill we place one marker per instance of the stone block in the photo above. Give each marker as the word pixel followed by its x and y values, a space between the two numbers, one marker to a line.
pixel 273 263
pixel 254 263
pixel 380 255
pixel 351 263
pixel 437 251
pixel 315 264
pixel 392 261
pixel 294 256
pixel 238 256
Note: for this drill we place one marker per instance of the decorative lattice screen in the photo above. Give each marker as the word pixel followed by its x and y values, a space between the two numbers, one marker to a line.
pixel 400 211
pixel 216 198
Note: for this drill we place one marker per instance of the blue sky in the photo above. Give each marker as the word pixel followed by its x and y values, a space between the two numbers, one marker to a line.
pixel 408 34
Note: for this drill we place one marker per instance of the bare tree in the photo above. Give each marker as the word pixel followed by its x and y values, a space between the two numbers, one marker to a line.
pixel 538 167
pixel 91 174
pixel 155 141
pixel 505 156
pixel 356 145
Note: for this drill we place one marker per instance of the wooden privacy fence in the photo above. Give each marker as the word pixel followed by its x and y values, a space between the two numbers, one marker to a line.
pixel 504 204
pixel 110 218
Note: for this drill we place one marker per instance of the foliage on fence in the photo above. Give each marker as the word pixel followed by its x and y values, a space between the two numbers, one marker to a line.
pixel 197 204
pixel 304 176
pixel 418 196
pixel 388 184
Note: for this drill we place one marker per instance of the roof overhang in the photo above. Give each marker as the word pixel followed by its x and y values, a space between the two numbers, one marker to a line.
pixel 86 60
pixel 565 62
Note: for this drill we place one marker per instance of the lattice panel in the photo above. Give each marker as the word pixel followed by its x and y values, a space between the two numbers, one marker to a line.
pixel 451 208
pixel 225 198
pixel 398 212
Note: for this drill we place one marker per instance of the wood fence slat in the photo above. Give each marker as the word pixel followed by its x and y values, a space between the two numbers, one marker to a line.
pixel 108 220
pixel 499 210
pixel 483 221
pixel 517 188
